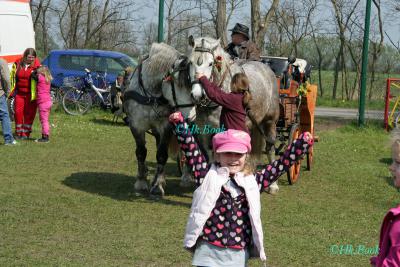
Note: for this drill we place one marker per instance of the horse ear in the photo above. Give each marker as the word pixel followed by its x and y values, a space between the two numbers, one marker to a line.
pixel 191 41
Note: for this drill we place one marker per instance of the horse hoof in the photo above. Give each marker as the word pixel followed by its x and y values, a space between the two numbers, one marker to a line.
pixel 185 184
pixel 141 185
pixel 157 190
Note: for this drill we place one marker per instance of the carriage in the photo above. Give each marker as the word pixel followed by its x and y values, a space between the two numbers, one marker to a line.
pixel 297 105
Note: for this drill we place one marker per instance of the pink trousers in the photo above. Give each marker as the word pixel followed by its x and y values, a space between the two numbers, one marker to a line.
pixel 44 113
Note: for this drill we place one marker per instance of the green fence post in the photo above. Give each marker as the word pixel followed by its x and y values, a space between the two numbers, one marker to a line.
pixel 161 21
pixel 364 67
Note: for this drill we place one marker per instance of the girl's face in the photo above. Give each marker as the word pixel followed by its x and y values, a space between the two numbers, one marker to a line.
pixel 395 167
pixel 30 59
pixel 234 161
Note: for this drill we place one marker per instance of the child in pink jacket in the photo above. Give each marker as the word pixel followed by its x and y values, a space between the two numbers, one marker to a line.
pixel 44 101
pixel 389 243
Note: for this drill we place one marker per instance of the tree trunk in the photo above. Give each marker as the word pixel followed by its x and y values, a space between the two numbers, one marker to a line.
pixel 336 72
pixel 259 24
pixel 102 22
pixel 170 22
pixel 45 38
pixel 88 23
pixel 221 22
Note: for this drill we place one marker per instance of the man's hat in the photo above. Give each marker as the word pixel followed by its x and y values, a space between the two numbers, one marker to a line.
pixel 242 29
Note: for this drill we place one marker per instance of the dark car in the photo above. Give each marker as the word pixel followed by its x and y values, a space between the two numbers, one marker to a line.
pixel 72 62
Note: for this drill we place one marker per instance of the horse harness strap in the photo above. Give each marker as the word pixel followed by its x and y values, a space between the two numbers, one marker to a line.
pixel 170 77
pixel 176 100
pixel 145 99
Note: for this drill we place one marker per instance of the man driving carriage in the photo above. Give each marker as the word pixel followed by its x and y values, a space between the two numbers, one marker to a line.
pixel 241 47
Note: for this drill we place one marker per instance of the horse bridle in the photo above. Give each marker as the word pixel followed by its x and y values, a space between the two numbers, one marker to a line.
pixel 203 49
pixel 205 102
pixel 180 67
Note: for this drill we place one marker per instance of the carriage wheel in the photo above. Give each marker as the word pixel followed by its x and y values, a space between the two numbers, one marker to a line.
pixel 180 161
pixel 309 158
pixel 293 173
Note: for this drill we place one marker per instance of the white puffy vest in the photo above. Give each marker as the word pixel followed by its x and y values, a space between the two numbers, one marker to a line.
pixel 206 196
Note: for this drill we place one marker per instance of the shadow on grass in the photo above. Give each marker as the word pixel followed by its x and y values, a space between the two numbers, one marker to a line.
pixel 108 122
pixel 121 187
pixel 386 161
pixel 388 179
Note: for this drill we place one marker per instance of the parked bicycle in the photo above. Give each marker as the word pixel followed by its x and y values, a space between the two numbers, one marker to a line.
pixel 81 93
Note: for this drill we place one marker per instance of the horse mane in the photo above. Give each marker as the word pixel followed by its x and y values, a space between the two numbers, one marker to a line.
pixel 160 57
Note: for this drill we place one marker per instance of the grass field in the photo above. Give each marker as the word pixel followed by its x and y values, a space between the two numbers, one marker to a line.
pixel 379 90
pixel 71 202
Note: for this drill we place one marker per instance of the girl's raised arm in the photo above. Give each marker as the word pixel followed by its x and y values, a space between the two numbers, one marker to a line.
pixel 293 153
pixel 194 157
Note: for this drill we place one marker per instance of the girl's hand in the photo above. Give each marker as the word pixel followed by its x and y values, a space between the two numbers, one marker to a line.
pixel 308 138
pixel 199 75
pixel 176 117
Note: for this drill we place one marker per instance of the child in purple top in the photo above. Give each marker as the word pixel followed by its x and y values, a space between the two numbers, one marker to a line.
pixel 44 101
pixel 225 223
pixel 233 113
pixel 389 243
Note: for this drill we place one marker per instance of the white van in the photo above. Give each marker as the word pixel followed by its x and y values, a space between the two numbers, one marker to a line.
pixel 17 31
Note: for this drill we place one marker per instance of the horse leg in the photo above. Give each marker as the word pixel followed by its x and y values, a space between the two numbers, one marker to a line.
pixel 270 132
pixel 162 140
pixel 141 153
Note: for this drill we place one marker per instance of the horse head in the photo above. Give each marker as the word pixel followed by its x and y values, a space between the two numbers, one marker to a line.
pixel 207 57
pixel 175 88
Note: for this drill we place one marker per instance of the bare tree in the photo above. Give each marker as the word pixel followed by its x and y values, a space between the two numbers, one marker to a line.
pixel 180 18
pixel 259 22
pixel 316 42
pixel 40 23
pixel 376 47
pixel 343 11
pixel 295 21
pixel 221 22
pixel 221 12
pixel 100 24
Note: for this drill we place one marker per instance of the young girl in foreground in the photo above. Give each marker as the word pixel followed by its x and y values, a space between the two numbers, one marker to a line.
pixel 224 226
pixel 389 243
pixel 44 101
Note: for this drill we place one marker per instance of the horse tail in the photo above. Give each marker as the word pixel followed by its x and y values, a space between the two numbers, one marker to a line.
pixel 257 143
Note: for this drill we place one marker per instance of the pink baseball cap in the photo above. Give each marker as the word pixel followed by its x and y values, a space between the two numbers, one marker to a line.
pixel 232 141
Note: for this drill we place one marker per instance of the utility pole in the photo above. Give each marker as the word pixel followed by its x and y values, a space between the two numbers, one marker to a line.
pixel 364 67
pixel 161 21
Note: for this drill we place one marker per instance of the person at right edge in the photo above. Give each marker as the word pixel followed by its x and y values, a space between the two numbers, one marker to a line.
pixel 4 116
pixel 389 241
pixel 241 47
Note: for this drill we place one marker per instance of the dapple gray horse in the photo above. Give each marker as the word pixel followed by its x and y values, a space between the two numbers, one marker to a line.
pixel 206 53
pixel 148 110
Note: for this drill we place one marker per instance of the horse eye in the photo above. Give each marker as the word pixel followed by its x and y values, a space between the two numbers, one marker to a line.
pixel 210 64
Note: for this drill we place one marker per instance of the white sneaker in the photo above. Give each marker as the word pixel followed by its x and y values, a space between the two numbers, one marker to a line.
pixel 13 143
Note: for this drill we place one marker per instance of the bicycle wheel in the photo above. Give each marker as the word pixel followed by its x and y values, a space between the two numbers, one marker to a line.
pixel 76 101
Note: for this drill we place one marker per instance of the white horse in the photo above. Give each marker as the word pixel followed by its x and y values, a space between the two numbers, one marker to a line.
pixel 148 110
pixel 207 56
